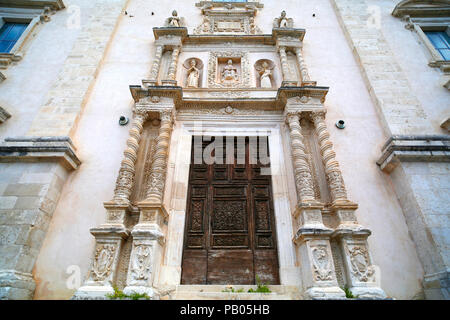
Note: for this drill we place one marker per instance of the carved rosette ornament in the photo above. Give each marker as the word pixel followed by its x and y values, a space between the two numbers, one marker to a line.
pixel 302 171
pixel 103 261
pixel 125 178
pixel 321 263
pixel 360 263
pixel 332 171
pixel 157 178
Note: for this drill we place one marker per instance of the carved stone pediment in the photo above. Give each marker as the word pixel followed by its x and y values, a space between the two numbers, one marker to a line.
pixel 226 18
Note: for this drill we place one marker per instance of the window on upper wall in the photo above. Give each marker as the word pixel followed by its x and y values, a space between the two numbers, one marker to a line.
pixel 10 32
pixel 441 42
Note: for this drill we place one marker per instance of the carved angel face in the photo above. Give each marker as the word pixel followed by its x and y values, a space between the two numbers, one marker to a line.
pixel 193 63
pixel 230 62
pixel 265 65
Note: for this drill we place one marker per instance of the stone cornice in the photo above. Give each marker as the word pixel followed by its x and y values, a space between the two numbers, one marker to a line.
pixel 159 32
pixel 415 8
pixel 276 103
pixel 33 4
pixel 285 93
pixel 425 148
pixel 24 149
pixel 288 32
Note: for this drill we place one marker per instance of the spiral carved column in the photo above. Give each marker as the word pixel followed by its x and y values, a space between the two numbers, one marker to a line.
pixel 302 170
pixel 173 64
pixel 125 178
pixel 332 171
pixel 303 68
pixel 156 63
pixel 157 178
pixel 287 77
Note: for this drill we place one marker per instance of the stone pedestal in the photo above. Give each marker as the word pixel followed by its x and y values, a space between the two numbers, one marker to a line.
pixel 147 251
pixel 101 278
pixel 314 251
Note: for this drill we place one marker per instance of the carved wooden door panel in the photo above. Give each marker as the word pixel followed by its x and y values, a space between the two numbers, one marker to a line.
pixel 230 228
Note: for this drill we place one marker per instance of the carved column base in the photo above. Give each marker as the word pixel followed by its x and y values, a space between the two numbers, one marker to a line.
pixel 361 276
pixel 317 267
pixel 101 278
pixel 147 250
pixel 309 215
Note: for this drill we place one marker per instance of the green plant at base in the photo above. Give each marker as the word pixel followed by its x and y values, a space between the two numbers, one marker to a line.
pixel 118 294
pixel 261 287
pixel 348 293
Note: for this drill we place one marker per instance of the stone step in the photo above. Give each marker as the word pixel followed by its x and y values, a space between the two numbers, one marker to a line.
pixel 217 292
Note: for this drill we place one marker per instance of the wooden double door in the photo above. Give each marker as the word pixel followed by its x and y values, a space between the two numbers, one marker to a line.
pixel 230 228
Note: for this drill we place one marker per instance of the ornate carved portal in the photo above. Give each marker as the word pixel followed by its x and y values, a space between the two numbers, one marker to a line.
pixel 230 231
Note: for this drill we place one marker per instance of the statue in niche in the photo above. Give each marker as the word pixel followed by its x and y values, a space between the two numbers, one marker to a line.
pixel 174 20
pixel 283 22
pixel 193 75
pixel 266 74
pixel 264 69
pixel 230 72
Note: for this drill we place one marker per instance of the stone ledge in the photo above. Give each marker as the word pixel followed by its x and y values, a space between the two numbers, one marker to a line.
pixel 33 149
pixel 426 148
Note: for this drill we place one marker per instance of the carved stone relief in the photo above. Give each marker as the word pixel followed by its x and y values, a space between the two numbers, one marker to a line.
pixel 234 75
pixel 361 268
pixel 321 263
pixel 140 263
pixel 103 261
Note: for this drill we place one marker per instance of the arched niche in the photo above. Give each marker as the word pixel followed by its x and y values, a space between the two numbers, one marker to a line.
pixel 193 68
pixel 264 71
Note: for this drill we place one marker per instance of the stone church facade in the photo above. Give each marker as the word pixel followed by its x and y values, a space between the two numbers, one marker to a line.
pixel 181 147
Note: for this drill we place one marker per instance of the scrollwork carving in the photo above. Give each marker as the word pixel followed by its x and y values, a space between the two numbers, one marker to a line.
pixel 141 262
pixel 360 263
pixel 103 260
pixel 321 263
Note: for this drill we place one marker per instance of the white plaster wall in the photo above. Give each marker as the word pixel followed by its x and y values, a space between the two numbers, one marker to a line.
pixel 100 142
pixel 24 91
